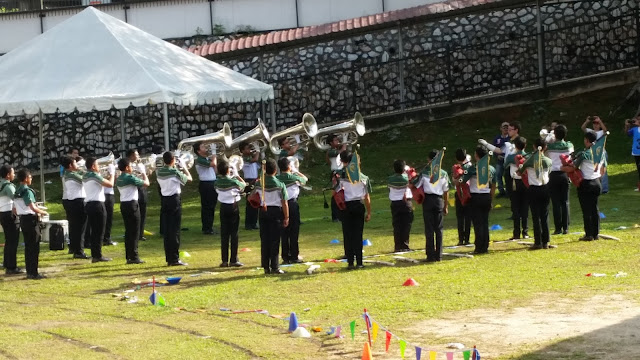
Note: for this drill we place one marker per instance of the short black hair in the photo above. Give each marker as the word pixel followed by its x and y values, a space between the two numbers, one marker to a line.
pixel 560 132
pixel 331 137
pixel 123 163
pixel 5 170
pixel 223 167
pixel 520 142
pixel 432 154
pixel 591 136
pixel 66 161
pixel 130 152
pixel 398 166
pixel 481 151
pixel 283 164
pixel 90 161
pixel 271 167
pixel 196 146
pixel 540 143
pixel 516 125
pixel 346 156
pixel 23 174
pixel 461 154
pixel 167 157
pixel 157 149
pixel 281 141
pixel 243 145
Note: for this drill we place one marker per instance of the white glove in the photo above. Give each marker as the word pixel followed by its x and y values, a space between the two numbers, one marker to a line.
pixel 297 137
pixel 141 168
pixel 482 142
pixel 182 164
pixel 213 149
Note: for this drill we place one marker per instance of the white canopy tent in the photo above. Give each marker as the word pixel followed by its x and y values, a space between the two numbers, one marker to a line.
pixel 94 61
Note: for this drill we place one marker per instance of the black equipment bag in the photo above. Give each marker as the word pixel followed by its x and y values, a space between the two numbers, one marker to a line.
pixel 56 237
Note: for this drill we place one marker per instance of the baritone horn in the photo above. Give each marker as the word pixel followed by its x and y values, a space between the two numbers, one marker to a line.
pixel 304 132
pixel 348 131
pixel 258 138
pixel 235 164
pixel 218 142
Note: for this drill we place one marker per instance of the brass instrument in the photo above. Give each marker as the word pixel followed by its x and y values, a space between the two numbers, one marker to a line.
pixel 221 140
pixel 103 165
pixel 258 138
pixel 305 131
pixel 349 130
pixel 150 163
pixel 548 136
pixel 235 164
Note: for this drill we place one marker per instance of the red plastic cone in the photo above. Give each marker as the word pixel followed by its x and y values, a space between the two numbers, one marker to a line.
pixel 366 352
pixel 410 282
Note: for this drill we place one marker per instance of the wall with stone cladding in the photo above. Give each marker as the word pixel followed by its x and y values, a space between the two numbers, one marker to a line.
pixel 409 66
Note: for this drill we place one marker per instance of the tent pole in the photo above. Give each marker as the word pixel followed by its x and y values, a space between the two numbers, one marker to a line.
pixel 272 104
pixel 165 116
pixel 123 143
pixel 41 141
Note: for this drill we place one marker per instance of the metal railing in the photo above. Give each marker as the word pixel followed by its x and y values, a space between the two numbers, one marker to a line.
pixel 9 6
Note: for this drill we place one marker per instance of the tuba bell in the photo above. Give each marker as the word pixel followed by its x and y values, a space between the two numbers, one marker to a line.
pixel 349 130
pixel 235 164
pixel 306 130
pixel 218 142
pixel 258 138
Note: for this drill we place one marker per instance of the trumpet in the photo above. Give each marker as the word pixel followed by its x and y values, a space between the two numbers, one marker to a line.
pixel 258 138
pixel 218 142
pixel 349 130
pixel 305 131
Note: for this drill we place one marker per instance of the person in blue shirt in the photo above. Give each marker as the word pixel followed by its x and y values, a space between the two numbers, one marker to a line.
pixel 632 128
pixel 499 142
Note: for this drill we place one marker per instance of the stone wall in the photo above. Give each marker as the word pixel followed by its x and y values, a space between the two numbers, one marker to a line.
pixel 408 66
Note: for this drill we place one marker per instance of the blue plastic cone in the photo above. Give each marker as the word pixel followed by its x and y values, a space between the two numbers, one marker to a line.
pixel 335 241
pixel 602 215
pixel 366 242
pixel 293 322
pixel 496 227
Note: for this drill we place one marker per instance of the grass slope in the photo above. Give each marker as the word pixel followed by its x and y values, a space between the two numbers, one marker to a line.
pixel 73 314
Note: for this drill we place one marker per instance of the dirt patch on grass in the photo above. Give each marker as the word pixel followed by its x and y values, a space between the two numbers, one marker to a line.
pixel 600 327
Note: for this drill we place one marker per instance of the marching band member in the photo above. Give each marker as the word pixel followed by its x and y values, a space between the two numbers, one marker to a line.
pixel 463 210
pixel 206 168
pixel 599 128
pixel 286 149
pixel 8 220
pixel 109 200
pixel 518 190
pixel 589 189
pixel 158 150
pixel 435 183
pixel 356 187
pixel 250 175
pixel 171 180
pixel 229 186
pixel 559 181
pixel 133 156
pixel 482 185
pixel 290 234
pixel 539 167
pixel 335 164
pixel 128 185
pixel 401 207
pixel 73 201
pixel 26 209
pixel 94 207
pixel 274 215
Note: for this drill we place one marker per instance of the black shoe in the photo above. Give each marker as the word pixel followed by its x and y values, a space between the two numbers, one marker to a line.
pixel 80 256
pixel 142 239
pixel 467 242
pixel 350 267
pixel 14 271
pixel 296 261
pixel 535 247
pixel 108 242
pixel 208 232
pixel 100 259
pixel 267 271
pixel 70 252
pixel 236 264
pixel 430 260
pixel 36 277
pixel 460 243
pixel 177 263
pixel 254 227
pixel 224 264
pixel 360 266
pixel 135 261
pixel 565 232
pixel 557 232
pixel 545 246
pixel 477 252
pixel 526 236
pixel 336 220
pixel 514 238
pixel 285 262
pixel 586 238
pixel 277 271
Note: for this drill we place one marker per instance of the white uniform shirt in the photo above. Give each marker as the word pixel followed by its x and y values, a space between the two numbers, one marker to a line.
pixel 73 186
pixel 170 180
pixel 206 172
pixel 439 188
pixel 92 184
pixel 250 170
pixel 355 191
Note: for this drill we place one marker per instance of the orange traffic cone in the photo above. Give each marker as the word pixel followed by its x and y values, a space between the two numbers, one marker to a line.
pixel 410 282
pixel 366 352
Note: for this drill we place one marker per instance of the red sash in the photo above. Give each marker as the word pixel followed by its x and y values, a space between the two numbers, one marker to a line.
pixel 339 198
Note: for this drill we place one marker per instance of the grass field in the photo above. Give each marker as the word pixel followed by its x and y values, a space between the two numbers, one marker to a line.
pixel 73 313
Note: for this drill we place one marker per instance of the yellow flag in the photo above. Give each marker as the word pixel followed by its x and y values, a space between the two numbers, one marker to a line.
pixel 432 355
pixel 374 330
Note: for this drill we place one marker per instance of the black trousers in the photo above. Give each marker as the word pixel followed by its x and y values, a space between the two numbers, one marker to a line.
pixel 161 223
pixel 290 234
pixel 336 214
pixel 588 194
pixel 402 219
pixel 270 226
pixel 77 221
pixel 143 198
pixel 208 201
pixel 31 234
pixel 250 213
pixel 97 218
pixel 229 223
pixel 352 228
pixel 637 158
pixel 109 200
pixel 480 207
pixel 171 215
pixel 508 181
pixel 539 201
pixel 559 192
pixel 520 208
pixel 11 237
pixel 463 216
pixel 433 215
pixel 131 215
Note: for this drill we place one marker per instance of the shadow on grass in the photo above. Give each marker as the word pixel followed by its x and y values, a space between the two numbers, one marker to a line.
pixel 619 341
